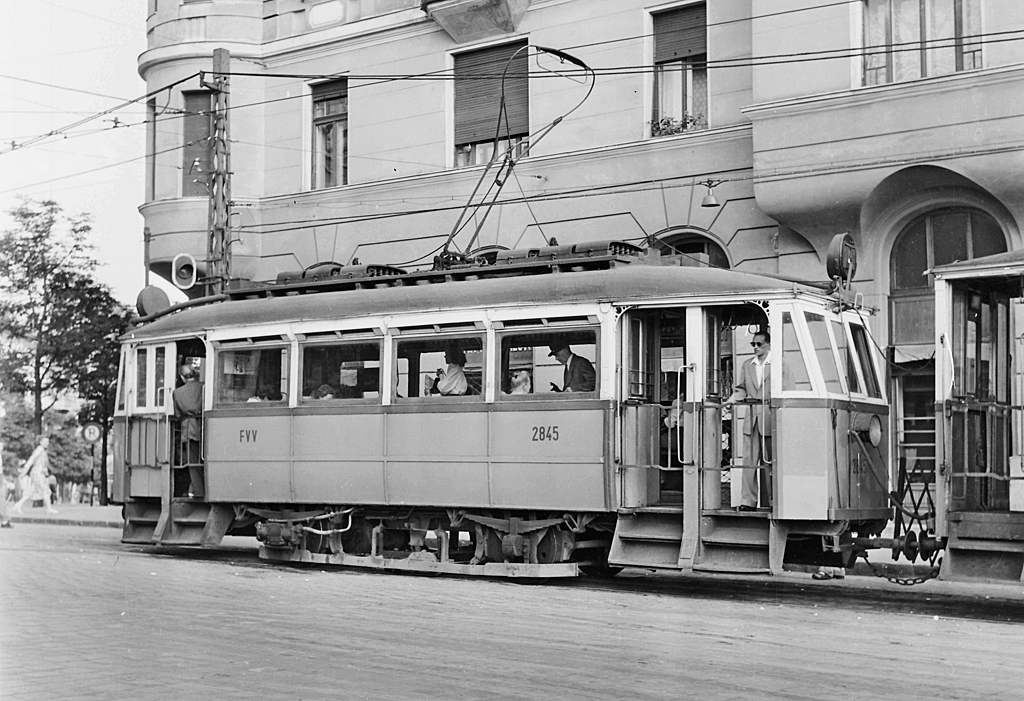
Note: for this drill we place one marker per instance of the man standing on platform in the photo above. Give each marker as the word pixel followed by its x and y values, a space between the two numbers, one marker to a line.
pixel 188 409
pixel 755 385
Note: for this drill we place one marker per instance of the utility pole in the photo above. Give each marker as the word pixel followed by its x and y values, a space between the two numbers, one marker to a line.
pixel 219 248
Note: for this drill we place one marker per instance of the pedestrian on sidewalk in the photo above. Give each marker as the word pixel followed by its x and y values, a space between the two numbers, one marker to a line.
pixel 37 468
pixel 829 573
pixel 5 511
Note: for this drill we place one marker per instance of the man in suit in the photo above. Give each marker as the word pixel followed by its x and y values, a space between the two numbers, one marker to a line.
pixel 579 376
pixel 754 384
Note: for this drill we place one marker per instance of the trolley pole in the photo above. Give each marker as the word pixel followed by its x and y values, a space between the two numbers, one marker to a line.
pixel 219 248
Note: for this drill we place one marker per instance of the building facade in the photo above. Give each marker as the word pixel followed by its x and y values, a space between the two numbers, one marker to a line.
pixel 360 128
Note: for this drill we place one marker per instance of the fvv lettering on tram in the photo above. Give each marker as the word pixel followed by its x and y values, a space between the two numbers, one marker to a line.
pixel 246 435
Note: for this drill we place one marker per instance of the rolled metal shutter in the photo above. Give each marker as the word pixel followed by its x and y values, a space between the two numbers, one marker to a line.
pixel 478 93
pixel 680 33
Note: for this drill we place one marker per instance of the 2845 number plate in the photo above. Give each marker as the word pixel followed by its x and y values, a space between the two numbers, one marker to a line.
pixel 545 433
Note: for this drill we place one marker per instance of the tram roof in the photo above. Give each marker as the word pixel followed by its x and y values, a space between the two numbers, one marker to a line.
pixel 1006 264
pixel 622 284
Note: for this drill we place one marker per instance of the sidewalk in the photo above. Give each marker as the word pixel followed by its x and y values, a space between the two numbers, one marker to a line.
pixel 71 515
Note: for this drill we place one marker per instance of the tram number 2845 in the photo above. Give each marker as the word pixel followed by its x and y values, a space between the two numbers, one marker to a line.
pixel 545 433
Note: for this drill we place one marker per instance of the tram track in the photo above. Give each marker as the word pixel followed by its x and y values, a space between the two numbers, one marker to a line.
pixel 991 603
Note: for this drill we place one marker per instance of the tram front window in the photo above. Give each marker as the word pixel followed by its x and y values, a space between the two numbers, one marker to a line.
pixel 252 375
pixel 549 364
pixel 340 371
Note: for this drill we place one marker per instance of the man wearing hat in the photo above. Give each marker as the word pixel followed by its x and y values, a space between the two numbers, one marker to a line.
pixel 580 375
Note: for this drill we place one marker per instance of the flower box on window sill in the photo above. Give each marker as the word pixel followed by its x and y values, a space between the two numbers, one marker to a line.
pixel 667 126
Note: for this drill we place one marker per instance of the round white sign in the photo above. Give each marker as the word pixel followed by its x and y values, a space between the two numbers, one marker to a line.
pixel 92 432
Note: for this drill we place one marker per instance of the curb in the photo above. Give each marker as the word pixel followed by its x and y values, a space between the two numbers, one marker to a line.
pixel 68 522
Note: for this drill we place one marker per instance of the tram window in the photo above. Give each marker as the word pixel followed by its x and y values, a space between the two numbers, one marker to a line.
pixel 160 375
pixel 121 389
pixel 340 371
pixel 141 377
pixel 529 365
pixel 252 375
pixel 823 351
pixel 421 362
pixel 860 342
pixel 794 370
pixel 673 356
pixel 846 359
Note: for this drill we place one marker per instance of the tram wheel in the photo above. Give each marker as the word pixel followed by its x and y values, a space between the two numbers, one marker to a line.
pixel 550 547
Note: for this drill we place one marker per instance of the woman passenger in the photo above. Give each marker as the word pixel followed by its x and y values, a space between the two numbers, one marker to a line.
pixel 452 381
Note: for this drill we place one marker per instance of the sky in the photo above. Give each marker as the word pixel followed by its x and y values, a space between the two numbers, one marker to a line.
pixel 63 61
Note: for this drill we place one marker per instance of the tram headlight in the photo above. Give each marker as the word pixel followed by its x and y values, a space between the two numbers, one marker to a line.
pixel 869 425
pixel 875 430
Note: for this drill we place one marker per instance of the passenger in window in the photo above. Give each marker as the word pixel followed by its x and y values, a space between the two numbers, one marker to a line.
pixel 754 387
pixel 188 409
pixel 452 381
pixel 521 383
pixel 579 376
pixel 323 392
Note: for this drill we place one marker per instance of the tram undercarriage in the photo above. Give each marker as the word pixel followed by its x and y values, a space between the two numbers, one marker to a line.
pixel 453 541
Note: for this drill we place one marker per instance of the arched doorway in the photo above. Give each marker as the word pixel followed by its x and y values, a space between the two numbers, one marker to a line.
pixel 934 238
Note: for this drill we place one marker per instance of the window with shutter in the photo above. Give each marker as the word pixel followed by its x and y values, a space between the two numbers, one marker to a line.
pixel 478 99
pixel 196 151
pixel 680 70
pixel 330 134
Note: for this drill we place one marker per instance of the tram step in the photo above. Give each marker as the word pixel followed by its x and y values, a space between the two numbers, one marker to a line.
pixel 1002 526
pixel 714 557
pixel 967 564
pixel 140 522
pixel 1002 546
pixel 729 530
pixel 662 554
pixel 647 539
pixel 650 525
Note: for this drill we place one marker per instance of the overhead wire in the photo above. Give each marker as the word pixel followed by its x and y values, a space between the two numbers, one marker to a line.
pixel 357 81
pixel 773 59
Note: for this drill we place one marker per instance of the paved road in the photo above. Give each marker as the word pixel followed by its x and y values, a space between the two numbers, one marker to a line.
pixel 84 617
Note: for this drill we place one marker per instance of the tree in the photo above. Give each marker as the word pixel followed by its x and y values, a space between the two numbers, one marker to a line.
pixel 48 304
pixel 58 327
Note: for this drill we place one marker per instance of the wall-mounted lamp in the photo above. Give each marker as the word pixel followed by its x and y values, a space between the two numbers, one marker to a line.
pixel 709 199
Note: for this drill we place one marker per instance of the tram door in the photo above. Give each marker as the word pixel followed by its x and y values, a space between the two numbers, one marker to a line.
pixel 976 411
pixel 664 417
pixel 150 379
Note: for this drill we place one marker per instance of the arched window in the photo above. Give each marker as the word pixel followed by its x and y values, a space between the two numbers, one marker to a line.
pixel 693 243
pixel 936 238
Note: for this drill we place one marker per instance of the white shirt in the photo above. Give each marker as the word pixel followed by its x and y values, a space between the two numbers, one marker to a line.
pixel 759 369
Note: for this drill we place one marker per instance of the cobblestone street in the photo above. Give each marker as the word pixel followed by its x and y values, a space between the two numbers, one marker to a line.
pixel 85 617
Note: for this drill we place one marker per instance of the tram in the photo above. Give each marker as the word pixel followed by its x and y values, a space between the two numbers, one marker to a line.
pixel 965 493
pixel 324 434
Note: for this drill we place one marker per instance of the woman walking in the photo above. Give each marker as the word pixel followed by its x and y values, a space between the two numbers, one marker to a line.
pixel 37 468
